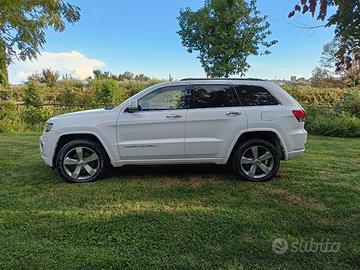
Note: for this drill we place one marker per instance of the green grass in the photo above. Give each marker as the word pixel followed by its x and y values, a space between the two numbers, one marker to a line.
pixel 188 217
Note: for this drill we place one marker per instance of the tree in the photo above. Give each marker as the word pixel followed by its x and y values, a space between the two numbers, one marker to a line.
pixel 225 33
pixel 328 58
pixel 346 20
pixel 142 78
pixel 49 77
pixel 127 75
pixel 99 75
pixel 321 77
pixel 23 24
pixel 328 62
pixel 4 80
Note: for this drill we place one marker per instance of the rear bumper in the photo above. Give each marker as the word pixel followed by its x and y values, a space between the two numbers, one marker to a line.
pixel 295 154
pixel 296 144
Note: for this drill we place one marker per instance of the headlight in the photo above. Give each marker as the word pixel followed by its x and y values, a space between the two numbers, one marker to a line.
pixel 48 127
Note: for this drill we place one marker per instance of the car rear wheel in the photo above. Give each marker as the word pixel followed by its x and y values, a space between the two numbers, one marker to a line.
pixel 82 161
pixel 256 160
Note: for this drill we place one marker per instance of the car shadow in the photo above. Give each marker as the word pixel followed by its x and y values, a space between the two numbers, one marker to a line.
pixel 203 171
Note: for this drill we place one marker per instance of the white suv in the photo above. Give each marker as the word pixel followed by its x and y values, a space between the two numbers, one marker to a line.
pixel 248 124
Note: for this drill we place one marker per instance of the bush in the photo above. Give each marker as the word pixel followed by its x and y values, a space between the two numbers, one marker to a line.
pixel 9 117
pixel 331 111
pixel 15 93
pixel 328 122
pixel 33 94
pixel 5 94
pixel 67 96
pixel 74 84
pixel 106 92
pixel 352 103
pixel 324 96
pixel 101 92
pixel 133 87
pixel 36 117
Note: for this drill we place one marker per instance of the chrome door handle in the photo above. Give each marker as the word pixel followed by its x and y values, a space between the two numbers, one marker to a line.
pixel 233 113
pixel 173 116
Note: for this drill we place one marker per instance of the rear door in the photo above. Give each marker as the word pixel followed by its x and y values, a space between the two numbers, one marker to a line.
pixel 214 119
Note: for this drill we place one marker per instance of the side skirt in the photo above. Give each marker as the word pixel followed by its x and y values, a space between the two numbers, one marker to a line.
pixel 121 163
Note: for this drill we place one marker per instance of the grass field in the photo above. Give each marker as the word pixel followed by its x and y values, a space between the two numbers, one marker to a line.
pixel 188 217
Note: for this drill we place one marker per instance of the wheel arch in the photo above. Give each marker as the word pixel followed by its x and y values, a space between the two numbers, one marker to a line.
pixel 271 136
pixel 66 138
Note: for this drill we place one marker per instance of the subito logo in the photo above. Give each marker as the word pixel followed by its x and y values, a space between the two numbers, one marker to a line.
pixel 280 246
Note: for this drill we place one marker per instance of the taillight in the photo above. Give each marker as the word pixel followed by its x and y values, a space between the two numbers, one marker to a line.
pixel 300 115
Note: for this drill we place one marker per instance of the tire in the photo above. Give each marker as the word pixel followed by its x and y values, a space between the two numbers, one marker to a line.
pixel 256 160
pixel 82 161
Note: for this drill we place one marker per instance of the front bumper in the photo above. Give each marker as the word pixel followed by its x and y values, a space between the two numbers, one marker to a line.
pixel 45 150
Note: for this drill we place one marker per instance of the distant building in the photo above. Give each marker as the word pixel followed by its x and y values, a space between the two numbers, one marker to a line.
pixel 295 81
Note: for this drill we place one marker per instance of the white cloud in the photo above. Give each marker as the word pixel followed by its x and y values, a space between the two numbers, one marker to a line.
pixel 65 62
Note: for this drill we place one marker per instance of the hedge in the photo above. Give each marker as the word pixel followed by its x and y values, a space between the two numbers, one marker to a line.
pixel 331 111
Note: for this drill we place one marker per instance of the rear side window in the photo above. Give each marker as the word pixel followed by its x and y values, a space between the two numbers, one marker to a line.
pixel 251 95
pixel 211 96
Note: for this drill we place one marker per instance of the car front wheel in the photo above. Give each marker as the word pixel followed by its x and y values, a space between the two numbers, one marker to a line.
pixel 82 161
pixel 256 160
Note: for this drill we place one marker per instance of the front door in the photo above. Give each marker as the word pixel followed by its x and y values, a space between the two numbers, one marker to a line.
pixel 157 130
pixel 214 119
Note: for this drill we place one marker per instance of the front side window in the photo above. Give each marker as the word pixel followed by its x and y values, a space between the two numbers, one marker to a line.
pixel 251 95
pixel 211 96
pixel 167 98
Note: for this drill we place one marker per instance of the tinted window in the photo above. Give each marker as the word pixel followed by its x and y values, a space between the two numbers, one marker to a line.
pixel 255 96
pixel 210 96
pixel 167 98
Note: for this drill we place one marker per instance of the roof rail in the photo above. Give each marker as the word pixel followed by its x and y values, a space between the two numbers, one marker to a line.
pixel 221 79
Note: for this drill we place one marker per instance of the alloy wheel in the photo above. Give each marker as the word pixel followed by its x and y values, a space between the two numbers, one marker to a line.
pixel 81 163
pixel 257 162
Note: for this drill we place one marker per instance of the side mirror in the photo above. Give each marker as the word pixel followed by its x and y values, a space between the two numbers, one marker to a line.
pixel 133 106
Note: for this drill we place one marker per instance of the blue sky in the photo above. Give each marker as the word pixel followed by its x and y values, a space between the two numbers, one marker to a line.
pixel 140 36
